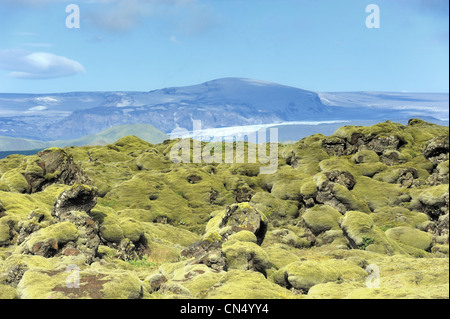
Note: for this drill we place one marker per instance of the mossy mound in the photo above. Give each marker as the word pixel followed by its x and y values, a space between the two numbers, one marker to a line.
pixel 303 275
pixel 77 284
pixel 411 237
pixel 321 218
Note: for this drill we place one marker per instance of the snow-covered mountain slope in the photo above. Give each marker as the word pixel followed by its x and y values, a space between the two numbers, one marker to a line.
pixel 430 104
pixel 228 102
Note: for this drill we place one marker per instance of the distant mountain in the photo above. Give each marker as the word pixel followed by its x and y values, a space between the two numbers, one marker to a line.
pixel 145 132
pixel 18 144
pixel 221 103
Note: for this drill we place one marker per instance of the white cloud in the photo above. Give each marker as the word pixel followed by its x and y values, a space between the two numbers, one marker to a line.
pixel 37 65
pixel 174 39
pixel 37 108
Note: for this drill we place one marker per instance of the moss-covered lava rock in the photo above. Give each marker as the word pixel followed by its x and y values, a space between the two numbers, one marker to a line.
pixel 125 221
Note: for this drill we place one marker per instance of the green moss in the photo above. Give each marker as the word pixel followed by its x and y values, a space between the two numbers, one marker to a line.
pixel 337 163
pixel 356 225
pixel 245 255
pixel 40 284
pixel 7 292
pixel 395 216
pixel 5 233
pixel 105 251
pixel 152 160
pixel 36 284
pixel 32 166
pixel 384 129
pixel 204 282
pixel 162 251
pixel 410 236
pixel 170 234
pixel 286 189
pixel 334 238
pixel 289 237
pixel 306 154
pixel 443 168
pixel 212 237
pixel 112 232
pixel 365 156
pixel 244 235
pixel 333 290
pixel 403 277
pixel 9 227
pixel 131 229
pixel 273 207
pixel 60 233
pixel 168 269
pixel 308 189
pixel 321 218
pixel 4 187
pixel 305 274
pixel 394 157
pixel 376 194
pixel 371 169
pixel 281 255
pixel 350 269
pixel 114 228
pixel 143 194
pixel 350 198
pixel 15 181
pixel 238 284
pixel 434 196
pixel 359 229
pixel 50 176
pixel 132 143
pixel 10 162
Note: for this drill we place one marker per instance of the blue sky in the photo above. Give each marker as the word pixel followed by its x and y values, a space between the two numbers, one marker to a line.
pixel 141 45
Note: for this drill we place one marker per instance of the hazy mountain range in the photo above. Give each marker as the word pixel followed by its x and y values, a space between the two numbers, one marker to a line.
pixel 144 131
pixel 236 103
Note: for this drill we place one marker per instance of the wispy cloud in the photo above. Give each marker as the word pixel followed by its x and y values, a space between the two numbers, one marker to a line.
pixel 95 39
pixel 26 34
pixel 174 39
pixel 437 8
pixel 30 3
pixel 37 44
pixel 187 16
pixel 38 65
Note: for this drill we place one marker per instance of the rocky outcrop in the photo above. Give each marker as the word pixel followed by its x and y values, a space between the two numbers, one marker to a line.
pixel 340 146
pixel 77 198
pixel 337 194
pixel 437 150
pixel 54 166
pixel 343 178
pixel 243 217
pixel 408 177
pixel 207 253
